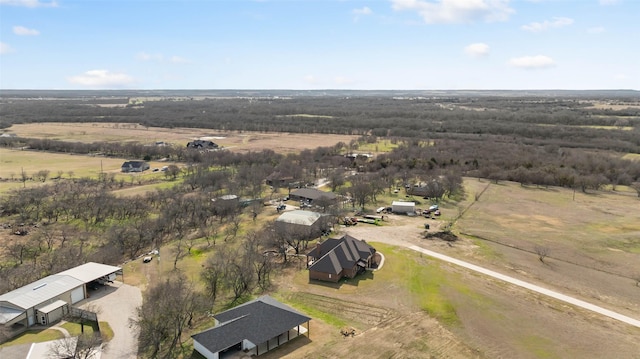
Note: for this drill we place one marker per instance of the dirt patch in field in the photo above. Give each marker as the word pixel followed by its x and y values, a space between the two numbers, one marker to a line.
pixel 123 132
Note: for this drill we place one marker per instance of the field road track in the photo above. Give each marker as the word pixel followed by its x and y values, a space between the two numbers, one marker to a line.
pixel 533 287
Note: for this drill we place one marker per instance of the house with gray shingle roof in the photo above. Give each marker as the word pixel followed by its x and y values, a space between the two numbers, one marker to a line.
pixel 334 259
pixel 255 327
pixel 308 195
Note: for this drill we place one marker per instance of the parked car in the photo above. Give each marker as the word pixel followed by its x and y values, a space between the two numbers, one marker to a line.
pixel 147 259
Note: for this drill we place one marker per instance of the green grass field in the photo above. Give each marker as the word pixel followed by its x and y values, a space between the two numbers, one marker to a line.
pixel 14 162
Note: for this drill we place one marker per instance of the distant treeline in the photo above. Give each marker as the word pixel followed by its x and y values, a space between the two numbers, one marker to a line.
pixel 563 122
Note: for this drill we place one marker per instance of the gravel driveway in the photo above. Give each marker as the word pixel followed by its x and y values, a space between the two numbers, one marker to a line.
pixel 116 304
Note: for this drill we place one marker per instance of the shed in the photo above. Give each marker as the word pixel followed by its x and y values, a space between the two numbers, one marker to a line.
pixel 403 207
pixel 301 223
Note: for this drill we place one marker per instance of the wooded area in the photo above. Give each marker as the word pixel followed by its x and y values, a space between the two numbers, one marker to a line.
pixel 534 140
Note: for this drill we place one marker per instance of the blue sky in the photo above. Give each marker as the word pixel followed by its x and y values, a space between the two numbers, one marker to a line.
pixel 321 44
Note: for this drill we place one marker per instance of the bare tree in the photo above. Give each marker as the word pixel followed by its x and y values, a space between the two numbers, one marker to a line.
pixel 85 346
pixel 214 271
pixel 168 309
pixel 542 252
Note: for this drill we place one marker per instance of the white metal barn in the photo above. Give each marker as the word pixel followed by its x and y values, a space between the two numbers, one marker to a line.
pixel 47 300
pixel 403 207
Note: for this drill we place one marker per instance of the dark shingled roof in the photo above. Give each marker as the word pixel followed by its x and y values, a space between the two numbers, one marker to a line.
pixel 336 254
pixel 256 321
pixel 312 193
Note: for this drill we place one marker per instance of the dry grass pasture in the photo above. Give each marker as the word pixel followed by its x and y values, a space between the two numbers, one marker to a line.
pixel 121 132
pixel 415 306
pixel 14 162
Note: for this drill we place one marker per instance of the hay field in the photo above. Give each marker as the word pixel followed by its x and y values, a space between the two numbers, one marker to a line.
pixel 122 132
pixel 14 162
pixel 594 240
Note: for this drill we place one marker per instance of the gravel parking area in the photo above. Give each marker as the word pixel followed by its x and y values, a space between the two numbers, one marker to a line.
pixel 116 304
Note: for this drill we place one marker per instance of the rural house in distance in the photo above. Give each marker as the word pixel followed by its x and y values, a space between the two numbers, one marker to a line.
pixel 255 327
pixel 135 166
pixel 334 259
pixel 202 145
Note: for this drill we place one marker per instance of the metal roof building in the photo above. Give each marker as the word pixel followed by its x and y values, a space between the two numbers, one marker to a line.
pixel 46 300
pixel 305 218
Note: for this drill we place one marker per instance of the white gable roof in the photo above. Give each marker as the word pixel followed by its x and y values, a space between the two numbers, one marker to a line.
pixel 306 218
pixel 52 286
pixel 90 271
pixel 40 291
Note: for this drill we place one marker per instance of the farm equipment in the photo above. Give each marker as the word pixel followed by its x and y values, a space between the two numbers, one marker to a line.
pixel 349 221
pixel 369 221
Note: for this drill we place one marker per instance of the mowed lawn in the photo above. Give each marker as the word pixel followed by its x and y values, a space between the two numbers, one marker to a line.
pixel 602 225
pixel 14 162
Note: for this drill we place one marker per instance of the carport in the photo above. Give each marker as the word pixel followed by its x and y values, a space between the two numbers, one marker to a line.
pixel 91 271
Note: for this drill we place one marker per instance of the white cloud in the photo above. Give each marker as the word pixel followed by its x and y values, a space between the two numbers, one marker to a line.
pixel 23 31
pixel 532 62
pixel 101 79
pixel 478 49
pixel 546 25
pixel 29 3
pixel 456 11
pixel 5 49
pixel 357 13
pixel 363 11
pixel 595 30
pixel 178 60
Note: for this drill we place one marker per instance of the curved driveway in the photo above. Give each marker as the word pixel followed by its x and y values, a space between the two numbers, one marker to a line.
pixel 116 304
pixel 533 287
pixel 391 235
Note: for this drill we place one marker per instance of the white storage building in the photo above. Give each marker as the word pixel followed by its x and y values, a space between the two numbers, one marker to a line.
pixel 47 300
pixel 403 207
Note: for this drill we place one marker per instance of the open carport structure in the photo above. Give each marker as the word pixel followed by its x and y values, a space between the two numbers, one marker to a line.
pixel 255 327
pixel 47 300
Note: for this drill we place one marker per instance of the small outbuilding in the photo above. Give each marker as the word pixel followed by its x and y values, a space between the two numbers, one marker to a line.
pixel 401 207
pixel 255 328
pixel 305 224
